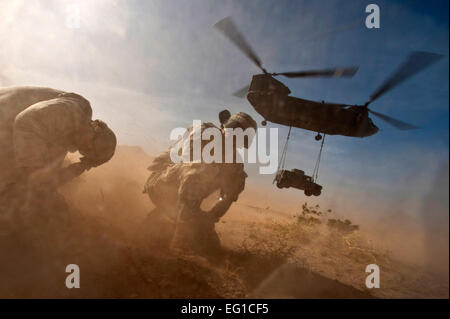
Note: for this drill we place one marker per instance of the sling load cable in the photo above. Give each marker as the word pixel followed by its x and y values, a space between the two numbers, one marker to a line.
pixel 283 155
pixel 315 173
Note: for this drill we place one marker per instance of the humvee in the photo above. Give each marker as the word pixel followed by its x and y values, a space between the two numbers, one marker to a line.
pixel 296 178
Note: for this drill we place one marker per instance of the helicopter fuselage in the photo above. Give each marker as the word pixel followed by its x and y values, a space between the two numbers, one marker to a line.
pixel 270 98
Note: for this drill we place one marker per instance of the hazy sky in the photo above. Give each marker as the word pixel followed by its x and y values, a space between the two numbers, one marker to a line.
pixel 150 66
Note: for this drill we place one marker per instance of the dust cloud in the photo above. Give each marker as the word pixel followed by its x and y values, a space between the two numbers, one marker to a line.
pixel 266 248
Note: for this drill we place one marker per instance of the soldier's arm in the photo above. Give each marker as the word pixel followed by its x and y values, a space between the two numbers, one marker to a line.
pixel 31 158
pixel 229 194
pixel 54 177
pixel 194 187
pixel 33 128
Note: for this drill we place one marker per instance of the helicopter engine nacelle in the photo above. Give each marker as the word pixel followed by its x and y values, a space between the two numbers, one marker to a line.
pixel 266 94
pixel 363 123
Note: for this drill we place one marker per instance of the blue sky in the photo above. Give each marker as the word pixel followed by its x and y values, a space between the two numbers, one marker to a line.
pixel 150 66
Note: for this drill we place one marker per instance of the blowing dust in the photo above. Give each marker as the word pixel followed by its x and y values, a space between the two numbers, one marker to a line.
pixel 267 249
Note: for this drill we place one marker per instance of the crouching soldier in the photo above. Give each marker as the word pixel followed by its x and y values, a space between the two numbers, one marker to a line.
pixel 178 189
pixel 38 127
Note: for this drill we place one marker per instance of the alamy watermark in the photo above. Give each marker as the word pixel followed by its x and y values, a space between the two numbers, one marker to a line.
pixel 373 19
pixel 215 145
pixel 373 279
pixel 73 279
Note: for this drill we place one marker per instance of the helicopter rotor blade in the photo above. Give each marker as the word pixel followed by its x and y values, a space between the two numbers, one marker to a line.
pixel 336 72
pixel 229 29
pixel 394 122
pixel 242 92
pixel 416 62
pixel 339 105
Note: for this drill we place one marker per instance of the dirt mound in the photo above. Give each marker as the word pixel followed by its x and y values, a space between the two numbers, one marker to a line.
pixel 324 260
pixel 110 267
pixel 290 281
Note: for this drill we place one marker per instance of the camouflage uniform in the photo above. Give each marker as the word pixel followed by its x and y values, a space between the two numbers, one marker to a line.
pixel 37 128
pixel 177 190
pixel 12 102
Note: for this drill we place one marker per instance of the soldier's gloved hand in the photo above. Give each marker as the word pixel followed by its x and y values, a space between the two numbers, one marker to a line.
pixel 233 188
pixel 68 173
pixel 88 163
pixel 76 169
pixel 220 208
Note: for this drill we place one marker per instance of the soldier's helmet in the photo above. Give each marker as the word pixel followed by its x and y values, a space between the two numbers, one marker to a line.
pixel 224 116
pixel 244 121
pixel 104 144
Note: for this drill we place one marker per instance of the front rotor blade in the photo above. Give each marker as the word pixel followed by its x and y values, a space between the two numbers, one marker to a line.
pixel 229 29
pixel 394 122
pixel 336 72
pixel 416 62
pixel 242 92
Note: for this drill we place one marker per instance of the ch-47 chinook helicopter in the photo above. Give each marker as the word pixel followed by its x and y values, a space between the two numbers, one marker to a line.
pixel 270 98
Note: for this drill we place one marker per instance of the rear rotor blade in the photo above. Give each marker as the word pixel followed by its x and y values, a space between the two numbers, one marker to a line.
pixel 229 29
pixel 336 72
pixel 394 122
pixel 338 105
pixel 242 92
pixel 416 62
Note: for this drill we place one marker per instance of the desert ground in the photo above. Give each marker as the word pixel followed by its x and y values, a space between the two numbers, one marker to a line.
pixel 304 252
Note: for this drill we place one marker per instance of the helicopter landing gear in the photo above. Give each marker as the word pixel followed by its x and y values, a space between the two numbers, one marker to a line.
pixel 264 123
pixel 318 137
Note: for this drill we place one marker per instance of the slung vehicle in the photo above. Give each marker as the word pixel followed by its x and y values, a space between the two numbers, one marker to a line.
pixel 296 178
